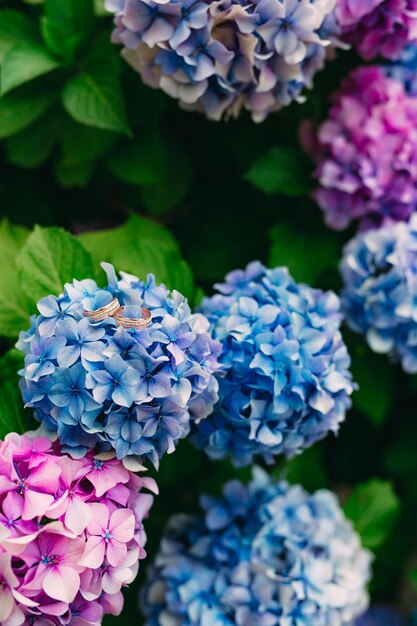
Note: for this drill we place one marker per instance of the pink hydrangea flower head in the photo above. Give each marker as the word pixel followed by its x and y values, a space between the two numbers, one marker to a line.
pixel 76 527
pixel 366 153
pixel 378 27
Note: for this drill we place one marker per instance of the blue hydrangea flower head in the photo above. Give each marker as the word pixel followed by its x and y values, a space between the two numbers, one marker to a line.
pixel 380 616
pixel 285 382
pixel 100 384
pixel 380 290
pixel 266 554
pixel 219 57
pixel 405 69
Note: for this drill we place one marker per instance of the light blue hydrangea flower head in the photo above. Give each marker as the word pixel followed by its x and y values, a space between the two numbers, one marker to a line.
pixel 266 554
pixel 379 271
pixel 219 56
pixel 285 380
pixel 100 384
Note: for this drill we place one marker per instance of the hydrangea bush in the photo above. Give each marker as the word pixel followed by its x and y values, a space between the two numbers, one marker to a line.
pixel 71 533
pixel 379 295
pixel 378 27
pixel 286 380
pixel 265 554
pixel 365 152
pixel 100 385
pixel 219 57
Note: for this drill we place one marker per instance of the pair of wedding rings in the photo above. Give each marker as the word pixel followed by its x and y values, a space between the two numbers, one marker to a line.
pixel 114 310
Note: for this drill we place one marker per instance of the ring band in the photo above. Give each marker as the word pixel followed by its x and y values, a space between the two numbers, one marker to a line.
pixel 105 311
pixel 133 322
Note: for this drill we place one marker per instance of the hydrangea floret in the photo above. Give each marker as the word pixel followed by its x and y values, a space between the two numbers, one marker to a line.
pixel 366 153
pixel 285 381
pixel 378 27
pixel 268 554
pixel 405 69
pixel 71 533
pixel 380 290
pixel 100 384
pixel 220 56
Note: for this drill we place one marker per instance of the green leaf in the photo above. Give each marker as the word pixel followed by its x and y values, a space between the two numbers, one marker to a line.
pixel 94 97
pixel 102 243
pixel 67 25
pixel 14 305
pixel 74 174
pixel 20 109
pixel 13 417
pixel 140 247
pixel 23 63
pixel 15 27
pixel 307 469
pixel 33 145
pixel 373 508
pixel 82 143
pixel 138 162
pixel 306 257
pixel 374 376
pixel 50 258
pixel 143 257
pixel 283 170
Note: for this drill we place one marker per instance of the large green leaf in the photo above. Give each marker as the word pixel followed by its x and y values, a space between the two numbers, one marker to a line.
pixel 283 170
pixel 33 145
pixel 67 25
pixel 375 377
pixel 373 508
pixel 102 243
pixel 140 247
pixel 306 257
pixel 14 305
pixel 82 143
pixel 50 258
pixel 94 96
pixel 13 417
pixel 20 109
pixel 23 63
pixel 15 27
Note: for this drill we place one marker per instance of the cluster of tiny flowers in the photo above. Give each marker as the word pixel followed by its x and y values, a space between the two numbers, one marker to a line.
pixel 220 56
pixel 379 270
pixel 267 554
pixel 378 27
pixel 379 617
pixel 405 69
pixel 285 381
pixel 71 534
pixel 366 152
pixel 99 384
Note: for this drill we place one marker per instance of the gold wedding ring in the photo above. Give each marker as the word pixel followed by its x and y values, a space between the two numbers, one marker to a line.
pixel 138 323
pixel 105 311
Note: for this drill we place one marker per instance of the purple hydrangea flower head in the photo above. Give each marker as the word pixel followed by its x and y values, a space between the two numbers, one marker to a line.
pixel 379 616
pixel 219 56
pixel 71 533
pixel 98 384
pixel 285 382
pixel 268 554
pixel 378 27
pixel 366 152
pixel 379 296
